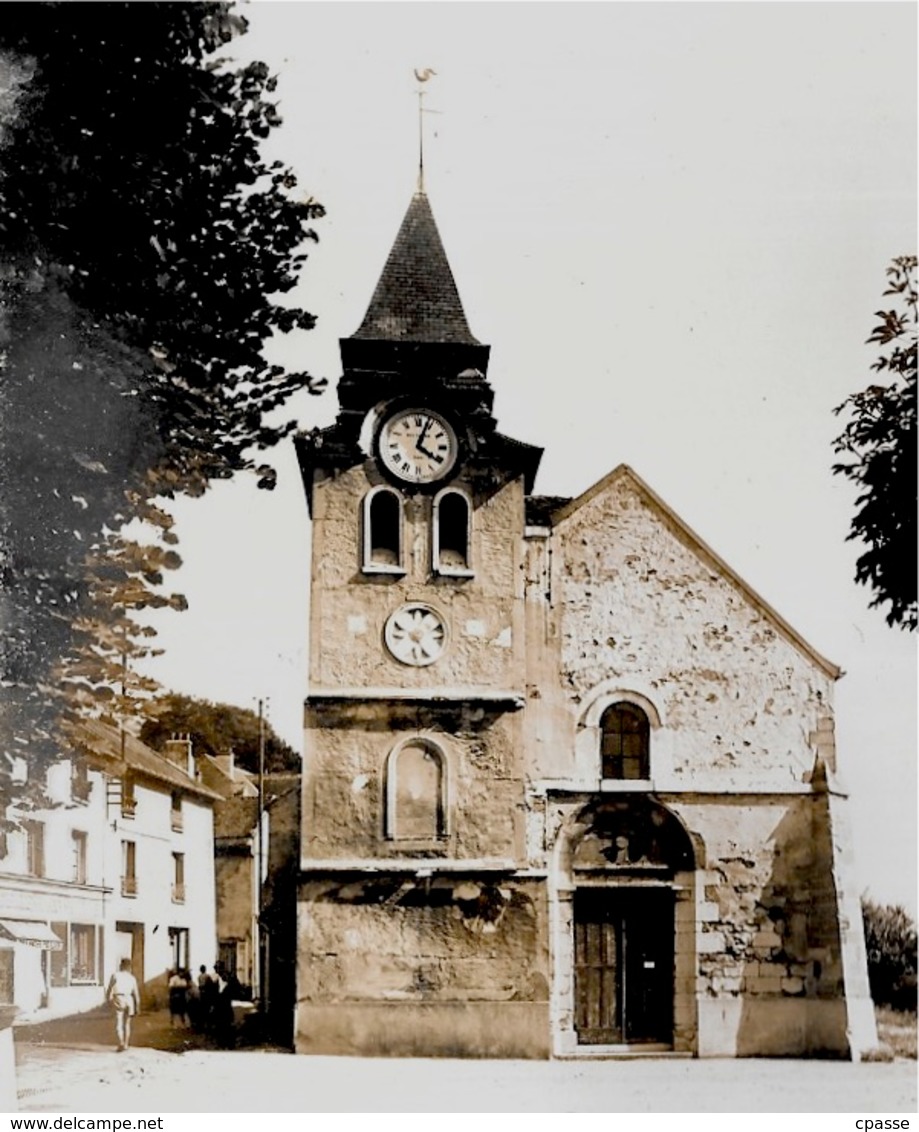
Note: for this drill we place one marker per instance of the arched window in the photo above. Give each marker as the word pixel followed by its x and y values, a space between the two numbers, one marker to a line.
pixel 624 734
pixel 452 536
pixel 382 536
pixel 416 807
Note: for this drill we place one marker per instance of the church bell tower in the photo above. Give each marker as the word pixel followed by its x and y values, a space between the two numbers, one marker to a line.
pixel 414 783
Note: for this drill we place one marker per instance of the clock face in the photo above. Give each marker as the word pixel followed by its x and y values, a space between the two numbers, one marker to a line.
pixel 418 446
pixel 416 634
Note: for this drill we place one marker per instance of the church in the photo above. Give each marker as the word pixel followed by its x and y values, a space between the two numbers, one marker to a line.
pixel 569 783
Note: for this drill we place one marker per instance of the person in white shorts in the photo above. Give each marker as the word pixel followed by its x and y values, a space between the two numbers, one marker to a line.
pixel 123 994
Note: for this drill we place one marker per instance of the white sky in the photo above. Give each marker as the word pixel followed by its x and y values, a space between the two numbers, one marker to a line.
pixel 671 222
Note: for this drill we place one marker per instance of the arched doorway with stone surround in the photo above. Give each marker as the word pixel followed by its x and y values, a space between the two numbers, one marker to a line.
pixel 623 894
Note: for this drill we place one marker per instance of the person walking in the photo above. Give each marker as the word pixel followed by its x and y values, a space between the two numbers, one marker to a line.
pixel 123 993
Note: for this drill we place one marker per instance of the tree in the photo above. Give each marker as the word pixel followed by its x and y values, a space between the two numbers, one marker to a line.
pixel 145 252
pixel 216 729
pixel 879 442
pixel 890 939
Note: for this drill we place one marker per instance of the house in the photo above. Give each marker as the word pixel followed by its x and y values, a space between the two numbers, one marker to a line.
pixel 256 914
pixel 53 895
pixel 236 866
pixel 569 783
pixel 158 863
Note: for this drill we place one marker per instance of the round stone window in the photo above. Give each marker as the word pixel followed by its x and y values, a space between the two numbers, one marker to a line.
pixel 416 634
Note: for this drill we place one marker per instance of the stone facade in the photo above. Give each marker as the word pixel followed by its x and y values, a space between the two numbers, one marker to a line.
pixel 600 814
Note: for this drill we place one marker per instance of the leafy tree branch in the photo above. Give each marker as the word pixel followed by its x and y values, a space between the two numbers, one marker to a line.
pixel 878 446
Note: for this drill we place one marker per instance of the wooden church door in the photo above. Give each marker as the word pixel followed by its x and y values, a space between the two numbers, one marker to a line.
pixel 623 957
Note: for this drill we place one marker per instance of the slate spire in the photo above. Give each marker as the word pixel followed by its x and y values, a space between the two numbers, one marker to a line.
pixel 416 299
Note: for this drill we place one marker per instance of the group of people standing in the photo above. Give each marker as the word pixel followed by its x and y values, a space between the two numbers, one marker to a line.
pixel 203 1003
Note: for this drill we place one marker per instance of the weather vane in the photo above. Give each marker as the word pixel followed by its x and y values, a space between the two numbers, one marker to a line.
pixel 422 74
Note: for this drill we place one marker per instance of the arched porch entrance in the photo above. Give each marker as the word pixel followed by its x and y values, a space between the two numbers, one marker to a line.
pixel 625 929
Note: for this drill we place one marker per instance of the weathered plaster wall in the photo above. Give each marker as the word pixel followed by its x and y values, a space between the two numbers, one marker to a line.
pixel 344 794
pixel 235 880
pixel 484 613
pixel 770 976
pixel 767 919
pixel 448 966
pixel 634 605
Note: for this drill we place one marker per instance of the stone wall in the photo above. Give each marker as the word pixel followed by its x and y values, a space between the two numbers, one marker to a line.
pixel 396 965
pixel 634 603
pixel 483 613
pixel 345 767
pixel 770 975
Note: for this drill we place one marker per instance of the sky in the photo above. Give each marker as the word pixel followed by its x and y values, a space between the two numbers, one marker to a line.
pixel 671 222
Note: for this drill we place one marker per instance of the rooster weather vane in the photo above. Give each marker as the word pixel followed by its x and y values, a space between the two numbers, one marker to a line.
pixel 422 74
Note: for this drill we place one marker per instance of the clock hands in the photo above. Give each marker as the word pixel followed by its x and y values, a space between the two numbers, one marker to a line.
pixel 419 444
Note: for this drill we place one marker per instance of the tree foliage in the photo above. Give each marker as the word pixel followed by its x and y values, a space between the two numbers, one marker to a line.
pixel 146 249
pixel 216 729
pixel 879 446
pixel 890 938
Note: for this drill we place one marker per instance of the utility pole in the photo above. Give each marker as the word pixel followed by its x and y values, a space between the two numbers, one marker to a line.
pixel 260 856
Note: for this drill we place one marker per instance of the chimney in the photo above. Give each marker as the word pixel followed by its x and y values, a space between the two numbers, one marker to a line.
pixel 178 751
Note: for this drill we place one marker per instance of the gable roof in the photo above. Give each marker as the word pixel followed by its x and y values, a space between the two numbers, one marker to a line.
pixel 220 773
pixel 623 471
pixel 416 299
pixel 103 742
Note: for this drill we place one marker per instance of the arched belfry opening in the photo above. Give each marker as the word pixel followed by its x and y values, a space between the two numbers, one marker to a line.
pixel 626 941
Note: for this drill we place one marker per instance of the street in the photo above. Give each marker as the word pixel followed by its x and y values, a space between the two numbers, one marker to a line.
pixel 71 1066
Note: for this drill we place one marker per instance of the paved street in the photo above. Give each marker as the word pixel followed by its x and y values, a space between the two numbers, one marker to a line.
pixel 72 1066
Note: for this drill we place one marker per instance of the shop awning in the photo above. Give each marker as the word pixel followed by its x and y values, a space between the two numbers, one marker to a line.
pixel 30 931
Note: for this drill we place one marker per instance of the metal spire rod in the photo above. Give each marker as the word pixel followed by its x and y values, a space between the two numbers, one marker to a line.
pixel 422 75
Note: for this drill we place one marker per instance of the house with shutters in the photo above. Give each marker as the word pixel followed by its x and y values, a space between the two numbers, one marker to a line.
pixel 119 865
pixel 161 911
pixel 569 784
pixel 53 895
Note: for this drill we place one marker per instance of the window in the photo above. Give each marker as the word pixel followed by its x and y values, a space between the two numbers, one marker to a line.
pixel 175 814
pixel 128 798
pixel 451 536
pixel 179 945
pixel 416 792
pixel 83 967
pixel 35 848
pixel 80 840
pixel 128 868
pixel 382 553
pixel 227 953
pixel 178 878
pixel 624 732
pixel 60 959
pixel 80 786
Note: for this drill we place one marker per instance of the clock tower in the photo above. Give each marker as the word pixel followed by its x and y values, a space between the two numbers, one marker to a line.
pixel 414 791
